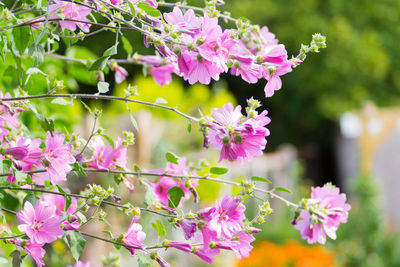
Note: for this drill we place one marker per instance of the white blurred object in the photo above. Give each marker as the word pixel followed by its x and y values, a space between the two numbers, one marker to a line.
pixel 350 125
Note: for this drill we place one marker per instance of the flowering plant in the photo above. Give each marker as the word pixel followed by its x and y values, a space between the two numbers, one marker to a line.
pixel 188 42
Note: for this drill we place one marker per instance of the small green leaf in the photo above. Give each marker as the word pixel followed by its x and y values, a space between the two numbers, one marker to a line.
pixel 99 64
pixel 36 51
pixel 150 197
pixel 161 100
pixel 133 121
pixel 87 108
pixel 137 168
pixel 282 189
pixel 151 11
pixel 78 168
pixel 127 45
pixel 175 195
pixel 103 87
pixel 108 233
pixel 159 227
pixel 30 198
pixel 77 244
pixel 171 157
pixel 113 50
pixel 218 170
pixel 5 166
pixel 81 217
pixel 61 101
pixel 21 36
pixel 260 179
pixel 132 8
pixel 109 140
pixel 189 128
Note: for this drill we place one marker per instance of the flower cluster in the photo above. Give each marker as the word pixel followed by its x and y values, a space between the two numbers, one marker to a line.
pixel 165 183
pixel 221 227
pixel 323 213
pixel 236 136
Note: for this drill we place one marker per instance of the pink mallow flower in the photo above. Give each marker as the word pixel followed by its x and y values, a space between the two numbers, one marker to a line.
pixel 223 220
pixel 234 135
pixel 70 11
pixel 327 208
pixel 240 244
pixel 134 236
pixel 58 201
pixel 58 157
pixel 165 183
pixel 105 157
pixel 40 224
pixel 162 74
pixel 120 73
pixel 36 251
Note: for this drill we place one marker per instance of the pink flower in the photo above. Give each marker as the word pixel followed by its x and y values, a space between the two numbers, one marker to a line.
pixel 189 228
pixel 165 183
pixel 8 116
pixel 37 252
pixel 40 224
pixel 185 247
pixel 162 75
pixel 206 253
pixel 162 262
pixel 120 73
pixel 58 201
pixel 240 244
pixel 237 137
pixel 105 157
pixel 188 23
pixel 58 157
pixel 326 209
pixel 70 11
pixel 134 236
pixel 71 225
pixel 225 218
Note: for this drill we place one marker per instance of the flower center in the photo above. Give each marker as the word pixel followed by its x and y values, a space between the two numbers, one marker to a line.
pixel 37 226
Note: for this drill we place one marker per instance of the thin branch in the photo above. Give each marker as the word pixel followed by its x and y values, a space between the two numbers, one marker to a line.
pixel 103 97
pixel 11 237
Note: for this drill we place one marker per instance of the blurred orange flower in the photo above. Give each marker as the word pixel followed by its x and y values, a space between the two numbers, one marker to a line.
pixel 292 254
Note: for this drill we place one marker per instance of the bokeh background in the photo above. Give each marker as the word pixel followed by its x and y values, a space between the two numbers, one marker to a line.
pixel 336 119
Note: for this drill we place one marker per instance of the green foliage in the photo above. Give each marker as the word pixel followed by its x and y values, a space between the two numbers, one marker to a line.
pixel 175 195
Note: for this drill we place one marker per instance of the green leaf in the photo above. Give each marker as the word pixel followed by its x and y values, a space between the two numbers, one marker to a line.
pixel 87 108
pixel 171 157
pixel 108 139
pixel 77 244
pixel 68 200
pixel 133 121
pixel 30 198
pixel 175 195
pixel 99 64
pixel 282 189
pixel 137 168
pixel 16 258
pixel 81 217
pixel 78 168
pixel 61 101
pixel 113 50
pixel 36 51
pixel 218 170
pixel 161 100
pixel 108 233
pixel 103 87
pixel 21 36
pixel 132 8
pixel 159 227
pixel 127 45
pixel 189 127
pixel 150 197
pixel 5 166
pixel 151 11
pixel 143 261
pixel 260 179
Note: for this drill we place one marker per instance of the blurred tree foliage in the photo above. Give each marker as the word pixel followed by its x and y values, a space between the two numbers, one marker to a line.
pixel 362 61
